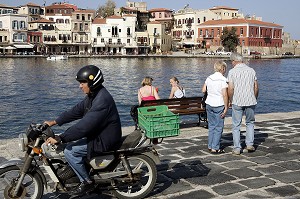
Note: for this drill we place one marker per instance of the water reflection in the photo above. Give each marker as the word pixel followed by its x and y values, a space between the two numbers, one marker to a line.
pixel 34 89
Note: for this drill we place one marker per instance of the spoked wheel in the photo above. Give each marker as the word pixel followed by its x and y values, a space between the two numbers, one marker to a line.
pixel 145 175
pixel 31 188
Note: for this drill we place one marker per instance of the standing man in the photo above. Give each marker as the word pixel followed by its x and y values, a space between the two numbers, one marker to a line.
pixel 242 93
pixel 98 128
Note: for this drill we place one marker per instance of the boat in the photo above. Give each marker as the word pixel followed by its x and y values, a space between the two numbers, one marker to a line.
pixel 57 57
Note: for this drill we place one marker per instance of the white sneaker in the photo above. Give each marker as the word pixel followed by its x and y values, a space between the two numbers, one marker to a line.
pixel 236 152
pixel 249 149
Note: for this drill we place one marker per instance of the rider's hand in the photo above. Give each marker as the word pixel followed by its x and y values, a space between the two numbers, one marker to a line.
pixel 51 140
pixel 50 123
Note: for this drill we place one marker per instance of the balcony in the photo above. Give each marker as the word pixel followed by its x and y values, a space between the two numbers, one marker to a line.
pixel 188 36
pixel 208 36
pixel 115 35
pixel 117 44
pixel 129 35
pixel 156 34
pixel 142 44
pixel 189 25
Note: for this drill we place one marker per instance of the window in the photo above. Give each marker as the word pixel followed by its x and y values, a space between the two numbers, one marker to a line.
pixel 102 40
pixel 83 17
pixel 119 41
pixel 15 24
pixel 204 19
pixel 0 24
pixel 98 31
pixel 128 31
pixel 128 41
pixel 242 31
pixel 89 16
pixel 77 16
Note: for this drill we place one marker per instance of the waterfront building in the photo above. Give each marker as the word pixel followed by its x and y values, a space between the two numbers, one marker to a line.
pixel 81 30
pixel 186 23
pixel 33 11
pixel 59 40
pixel 164 16
pixel 159 41
pixel 225 12
pixel 138 9
pixel 42 33
pixel 14 34
pixel 254 35
pixel 114 35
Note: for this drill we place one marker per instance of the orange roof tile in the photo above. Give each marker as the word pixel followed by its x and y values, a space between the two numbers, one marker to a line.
pixel 114 17
pixel 84 11
pixel 223 7
pixel 42 20
pixel 99 21
pixel 238 21
pixel 160 10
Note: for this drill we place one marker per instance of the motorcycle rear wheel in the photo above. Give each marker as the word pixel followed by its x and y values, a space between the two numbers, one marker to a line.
pixel 145 168
pixel 32 185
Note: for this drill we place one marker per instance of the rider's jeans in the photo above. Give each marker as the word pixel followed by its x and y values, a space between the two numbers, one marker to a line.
pixel 215 126
pixel 237 114
pixel 75 153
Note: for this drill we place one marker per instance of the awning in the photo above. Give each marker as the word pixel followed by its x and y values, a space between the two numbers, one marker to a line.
pixel 98 45
pixel 23 45
pixel 190 43
pixel 9 48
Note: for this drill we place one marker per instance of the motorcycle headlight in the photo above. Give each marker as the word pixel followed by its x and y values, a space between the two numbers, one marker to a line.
pixel 23 141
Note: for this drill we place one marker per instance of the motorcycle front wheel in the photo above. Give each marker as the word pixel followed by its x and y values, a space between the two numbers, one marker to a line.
pixel 31 188
pixel 145 174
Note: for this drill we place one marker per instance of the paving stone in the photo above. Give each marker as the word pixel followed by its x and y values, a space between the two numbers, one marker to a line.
pixel 291 165
pixel 215 168
pixel 199 194
pixel 262 160
pixel 270 169
pixel 211 179
pixel 177 186
pixel 170 158
pixel 255 194
pixel 290 177
pixel 283 191
pixel 182 173
pixel 2 160
pixel 257 183
pixel 244 173
pixel 168 151
pixel 285 156
pixel 238 164
pixel 228 188
pixel 277 150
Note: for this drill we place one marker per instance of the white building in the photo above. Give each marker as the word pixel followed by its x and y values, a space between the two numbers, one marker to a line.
pixel 114 35
pixel 185 28
pixel 15 26
pixel 159 41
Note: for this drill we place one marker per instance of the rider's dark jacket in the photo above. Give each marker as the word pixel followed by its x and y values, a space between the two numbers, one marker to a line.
pixel 99 123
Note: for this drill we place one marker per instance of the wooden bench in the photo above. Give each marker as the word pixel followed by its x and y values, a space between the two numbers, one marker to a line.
pixel 182 106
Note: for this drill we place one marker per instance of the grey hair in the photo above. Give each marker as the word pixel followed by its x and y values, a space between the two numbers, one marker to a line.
pixel 236 57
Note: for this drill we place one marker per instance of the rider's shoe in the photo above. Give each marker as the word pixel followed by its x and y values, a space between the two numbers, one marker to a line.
pixel 82 189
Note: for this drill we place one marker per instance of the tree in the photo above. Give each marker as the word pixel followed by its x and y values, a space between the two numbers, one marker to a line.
pixel 229 39
pixel 107 9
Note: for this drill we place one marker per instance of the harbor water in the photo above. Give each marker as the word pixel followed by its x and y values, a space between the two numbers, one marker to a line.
pixel 35 90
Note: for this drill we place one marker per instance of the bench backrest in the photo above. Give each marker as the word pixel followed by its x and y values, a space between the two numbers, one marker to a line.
pixel 182 106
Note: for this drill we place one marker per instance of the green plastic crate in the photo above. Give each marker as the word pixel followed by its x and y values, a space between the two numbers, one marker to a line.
pixel 158 121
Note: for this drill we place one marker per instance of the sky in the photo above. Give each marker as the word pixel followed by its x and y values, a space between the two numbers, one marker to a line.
pixel 282 12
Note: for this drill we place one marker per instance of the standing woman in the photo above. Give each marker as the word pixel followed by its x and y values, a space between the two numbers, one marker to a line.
pixel 216 105
pixel 177 91
pixel 147 91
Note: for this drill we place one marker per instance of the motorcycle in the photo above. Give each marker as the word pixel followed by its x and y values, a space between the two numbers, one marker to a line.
pixel 129 172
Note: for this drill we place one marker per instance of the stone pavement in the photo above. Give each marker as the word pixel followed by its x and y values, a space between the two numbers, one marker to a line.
pixel 188 170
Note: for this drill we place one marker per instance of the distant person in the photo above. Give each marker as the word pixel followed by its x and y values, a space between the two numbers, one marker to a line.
pixel 243 93
pixel 216 106
pixel 147 91
pixel 177 91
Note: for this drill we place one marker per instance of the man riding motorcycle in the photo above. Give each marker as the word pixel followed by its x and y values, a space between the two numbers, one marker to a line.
pixel 98 130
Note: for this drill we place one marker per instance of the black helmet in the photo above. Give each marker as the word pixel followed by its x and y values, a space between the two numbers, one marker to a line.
pixel 90 74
